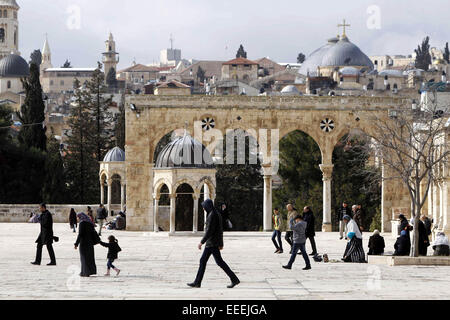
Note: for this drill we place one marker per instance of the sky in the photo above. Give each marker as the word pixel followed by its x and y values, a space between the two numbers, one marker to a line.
pixel 213 30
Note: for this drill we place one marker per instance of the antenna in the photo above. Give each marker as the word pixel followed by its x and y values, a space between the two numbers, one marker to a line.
pixel 171 41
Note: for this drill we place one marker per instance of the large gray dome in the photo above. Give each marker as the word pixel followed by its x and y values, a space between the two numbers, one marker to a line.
pixel 345 53
pixel 14 66
pixel 184 152
pixel 336 54
pixel 115 155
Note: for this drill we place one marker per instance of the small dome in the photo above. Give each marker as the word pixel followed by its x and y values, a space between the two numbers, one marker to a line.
pixel 290 91
pixel 14 66
pixel 391 73
pixel 349 71
pixel 115 155
pixel 184 152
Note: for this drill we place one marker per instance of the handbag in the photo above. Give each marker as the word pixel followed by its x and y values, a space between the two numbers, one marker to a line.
pixel 95 237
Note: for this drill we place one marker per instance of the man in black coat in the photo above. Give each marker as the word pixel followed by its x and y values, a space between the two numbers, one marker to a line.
pixel 45 237
pixel 308 217
pixel 214 244
pixel 340 214
pixel 101 217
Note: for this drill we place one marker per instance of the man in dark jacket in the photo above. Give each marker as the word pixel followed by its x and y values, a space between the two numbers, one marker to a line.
pixel 358 216
pixel 45 236
pixel 214 244
pixel 340 214
pixel 308 217
pixel 101 217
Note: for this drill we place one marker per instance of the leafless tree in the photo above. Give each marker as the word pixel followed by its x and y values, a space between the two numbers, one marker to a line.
pixel 412 143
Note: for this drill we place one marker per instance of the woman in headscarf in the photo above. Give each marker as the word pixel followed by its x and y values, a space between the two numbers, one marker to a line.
pixel 87 238
pixel 354 251
pixel 73 220
pixel 376 244
pixel 403 244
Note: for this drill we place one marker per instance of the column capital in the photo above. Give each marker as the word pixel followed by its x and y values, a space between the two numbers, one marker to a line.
pixel 156 197
pixel 173 196
pixel 327 170
pixel 109 182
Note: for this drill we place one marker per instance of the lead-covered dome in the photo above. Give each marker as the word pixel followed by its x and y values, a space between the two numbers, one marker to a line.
pixel 14 66
pixel 115 155
pixel 345 53
pixel 184 152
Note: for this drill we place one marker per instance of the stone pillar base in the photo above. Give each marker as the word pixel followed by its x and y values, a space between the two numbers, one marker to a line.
pixel 327 228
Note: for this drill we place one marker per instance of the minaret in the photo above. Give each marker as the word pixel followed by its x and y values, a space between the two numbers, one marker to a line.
pixel 46 56
pixel 110 57
pixel 9 28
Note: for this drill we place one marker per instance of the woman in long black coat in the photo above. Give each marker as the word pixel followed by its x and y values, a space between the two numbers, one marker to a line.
pixel 73 220
pixel 86 240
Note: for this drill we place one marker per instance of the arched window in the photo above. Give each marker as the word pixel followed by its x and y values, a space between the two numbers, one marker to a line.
pixel 5 13
pixel 8 84
pixel 15 37
pixel 395 86
pixel 62 82
pixel 2 35
pixel 388 87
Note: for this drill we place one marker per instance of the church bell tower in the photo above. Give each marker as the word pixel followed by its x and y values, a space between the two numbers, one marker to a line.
pixel 9 28
pixel 110 57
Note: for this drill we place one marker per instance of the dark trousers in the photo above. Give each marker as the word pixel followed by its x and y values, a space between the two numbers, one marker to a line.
pixel 277 236
pixel 289 237
pixel 313 244
pixel 51 253
pixel 110 264
pixel 295 249
pixel 215 252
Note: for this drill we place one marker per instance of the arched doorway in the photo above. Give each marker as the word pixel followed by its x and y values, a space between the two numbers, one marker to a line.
pixel 184 213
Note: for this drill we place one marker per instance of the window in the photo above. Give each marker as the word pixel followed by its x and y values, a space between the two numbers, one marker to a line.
pixel 62 82
pixel 15 14
pixel 15 37
pixel 2 35
pixel 52 82
pixel 5 13
pixel 8 84
pixel 1 13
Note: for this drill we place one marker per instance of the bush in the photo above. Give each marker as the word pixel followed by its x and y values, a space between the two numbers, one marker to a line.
pixel 376 221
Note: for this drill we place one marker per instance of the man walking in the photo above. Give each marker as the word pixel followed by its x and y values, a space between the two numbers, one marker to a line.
pixel 299 229
pixel 341 213
pixel 101 217
pixel 277 223
pixel 290 215
pixel 45 237
pixel 214 244
pixel 308 217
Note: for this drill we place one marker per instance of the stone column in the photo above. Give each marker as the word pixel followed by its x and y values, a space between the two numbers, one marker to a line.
pixel 102 191
pixel 109 195
pixel 195 215
pixel 155 215
pixel 173 198
pixel 267 204
pixel 327 171
pixel 206 196
pixel 122 196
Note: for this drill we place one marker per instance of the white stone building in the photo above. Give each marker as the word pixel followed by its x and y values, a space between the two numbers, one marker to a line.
pixel 9 28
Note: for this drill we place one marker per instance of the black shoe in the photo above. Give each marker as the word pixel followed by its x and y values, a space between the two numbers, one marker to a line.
pixel 56 239
pixel 307 268
pixel 287 267
pixel 52 264
pixel 194 285
pixel 233 284
pixel 36 263
pixel 341 238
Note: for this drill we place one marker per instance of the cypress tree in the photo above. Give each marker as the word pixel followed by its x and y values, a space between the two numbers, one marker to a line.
pixel 54 184
pixel 423 56
pixel 32 115
pixel 446 53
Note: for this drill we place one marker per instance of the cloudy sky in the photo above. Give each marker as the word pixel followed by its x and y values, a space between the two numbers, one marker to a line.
pixel 213 29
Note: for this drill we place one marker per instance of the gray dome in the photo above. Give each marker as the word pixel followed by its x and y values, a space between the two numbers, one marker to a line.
pixel 345 53
pixel 181 153
pixel 349 71
pixel 335 53
pixel 115 155
pixel 14 66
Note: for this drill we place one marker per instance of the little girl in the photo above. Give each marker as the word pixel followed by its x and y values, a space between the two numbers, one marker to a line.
pixel 113 250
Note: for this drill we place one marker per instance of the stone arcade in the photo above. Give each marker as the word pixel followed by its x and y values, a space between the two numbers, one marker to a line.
pixel 325 119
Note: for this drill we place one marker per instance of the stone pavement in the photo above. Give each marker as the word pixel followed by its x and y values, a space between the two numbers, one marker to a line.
pixel 155 266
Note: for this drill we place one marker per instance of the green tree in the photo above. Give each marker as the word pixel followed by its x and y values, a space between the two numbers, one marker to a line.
pixel 423 56
pixel 81 161
pixel 32 115
pixel 301 58
pixel 241 53
pixel 119 128
pixel 200 74
pixel 98 103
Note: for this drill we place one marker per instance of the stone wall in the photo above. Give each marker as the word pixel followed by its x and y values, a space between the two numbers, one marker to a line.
pixel 16 213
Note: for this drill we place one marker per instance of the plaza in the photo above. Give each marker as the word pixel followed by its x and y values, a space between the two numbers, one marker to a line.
pixel 158 266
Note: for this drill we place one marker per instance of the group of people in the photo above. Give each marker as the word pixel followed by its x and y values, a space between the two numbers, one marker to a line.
pixel 118 223
pixel 356 213
pixel 85 242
